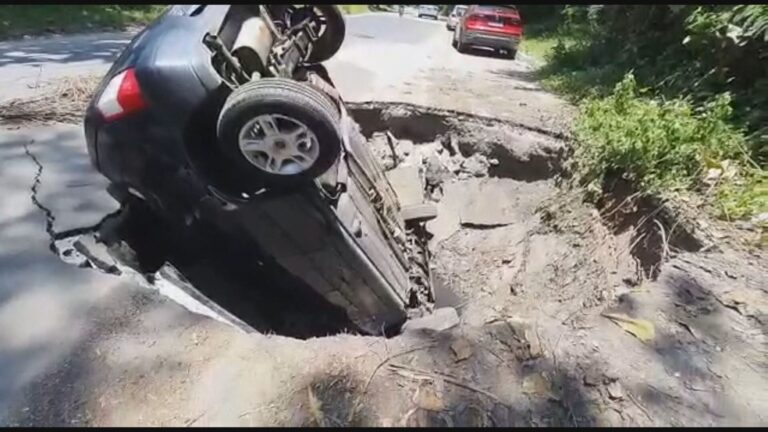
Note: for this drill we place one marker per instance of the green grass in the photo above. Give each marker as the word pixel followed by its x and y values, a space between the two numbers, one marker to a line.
pixel 18 20
pixel 663 143
pixel 539 47
pixel 354 9
pixel 668 147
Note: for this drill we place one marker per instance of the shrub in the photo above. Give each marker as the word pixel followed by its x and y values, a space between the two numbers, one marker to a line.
pixel 662 146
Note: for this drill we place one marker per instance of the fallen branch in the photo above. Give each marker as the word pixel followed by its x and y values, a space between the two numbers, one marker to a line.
pixel 664 240
pixel 621 204
pixel 640 406
pixel 356 405
pixel 447 378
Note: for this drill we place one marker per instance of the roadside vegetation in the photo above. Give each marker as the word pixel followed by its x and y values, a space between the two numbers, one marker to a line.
pixel 20 20
pixel 671 98
pixel 355 9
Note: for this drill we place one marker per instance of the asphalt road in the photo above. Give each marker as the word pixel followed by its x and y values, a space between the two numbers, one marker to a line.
pixel 28 64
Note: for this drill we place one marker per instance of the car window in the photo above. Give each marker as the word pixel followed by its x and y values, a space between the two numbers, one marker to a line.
pixel 496 9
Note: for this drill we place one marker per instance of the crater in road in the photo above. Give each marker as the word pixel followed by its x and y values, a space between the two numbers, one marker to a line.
pixel 228 279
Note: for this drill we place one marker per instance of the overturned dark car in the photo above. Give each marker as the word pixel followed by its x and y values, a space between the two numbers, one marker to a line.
pixel 225 114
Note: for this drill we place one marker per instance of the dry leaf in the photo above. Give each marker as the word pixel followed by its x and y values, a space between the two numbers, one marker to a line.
pixel 428 398
pixel 638 328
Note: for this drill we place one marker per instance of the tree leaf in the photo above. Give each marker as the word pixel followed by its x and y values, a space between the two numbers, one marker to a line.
pixel 641 329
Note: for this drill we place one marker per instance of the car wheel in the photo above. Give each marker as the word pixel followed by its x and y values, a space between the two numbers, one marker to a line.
pixel 460 46
pixel 511 54
pixel 279 132
pixel 330 24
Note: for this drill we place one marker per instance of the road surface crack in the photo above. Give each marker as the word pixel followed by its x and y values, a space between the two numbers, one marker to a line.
pixel 50 218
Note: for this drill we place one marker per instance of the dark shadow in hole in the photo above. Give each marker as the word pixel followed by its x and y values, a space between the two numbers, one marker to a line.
pixel 417 126
pixel 422 127
pixel 231 273
pixel 538 166
pixel 623 210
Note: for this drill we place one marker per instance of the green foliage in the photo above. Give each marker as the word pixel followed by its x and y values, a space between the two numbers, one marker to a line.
pixel 703 71
pixel 354 9
pixel 17 20
pixel 677 51
pixel 744 197
pixel 666 146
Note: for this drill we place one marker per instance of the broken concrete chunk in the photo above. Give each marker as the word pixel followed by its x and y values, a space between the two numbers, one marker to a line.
pixel 461 348
pixel 747 302
pixel 437 194
pixel 419 212
pixel 440 320
pixel 404 147
pixel 97 254
pixel 476 165
pixel 408 185
pixel 436 172
pixel 593 378
pixel 615 391
pixel 490 203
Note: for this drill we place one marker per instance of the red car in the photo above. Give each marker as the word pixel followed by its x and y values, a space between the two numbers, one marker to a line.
pixel 490 26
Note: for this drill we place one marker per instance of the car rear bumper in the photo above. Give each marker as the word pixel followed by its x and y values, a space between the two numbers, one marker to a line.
pixel 491 40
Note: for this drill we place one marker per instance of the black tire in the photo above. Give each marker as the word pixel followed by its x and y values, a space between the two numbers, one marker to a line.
pixel 293 99
pixel 511 54
pixel 461 46
pixel 332 37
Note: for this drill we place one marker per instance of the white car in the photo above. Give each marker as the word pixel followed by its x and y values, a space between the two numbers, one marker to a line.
pixel 428 11
pixel 455 16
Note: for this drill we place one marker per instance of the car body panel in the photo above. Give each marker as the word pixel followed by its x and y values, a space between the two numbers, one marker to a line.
pixel 490 26
pixel 429 10
pixel 455 16
pixel 346 248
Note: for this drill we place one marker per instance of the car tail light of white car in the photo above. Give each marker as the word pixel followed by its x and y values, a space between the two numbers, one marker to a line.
pixel 121 97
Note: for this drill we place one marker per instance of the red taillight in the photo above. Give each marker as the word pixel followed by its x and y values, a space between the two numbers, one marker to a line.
pixel 474 21
pixel 122 96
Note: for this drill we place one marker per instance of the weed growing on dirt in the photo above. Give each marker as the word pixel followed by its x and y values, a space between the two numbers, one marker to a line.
pixel 667 146
pixel 744 197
